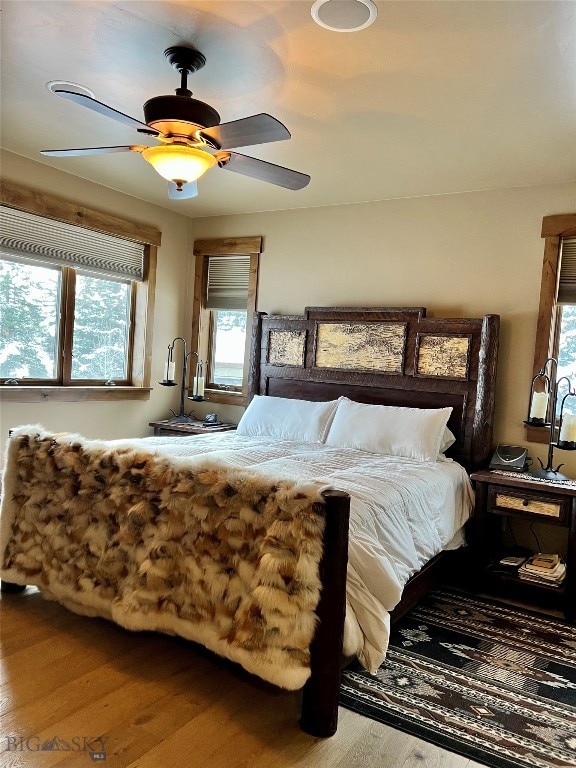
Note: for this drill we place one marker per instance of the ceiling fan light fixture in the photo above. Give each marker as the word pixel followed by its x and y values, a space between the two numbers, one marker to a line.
pixel 179 163
pixel 344 15
pixel 189 130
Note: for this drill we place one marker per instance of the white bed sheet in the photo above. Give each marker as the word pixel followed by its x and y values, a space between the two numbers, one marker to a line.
pixel 403 512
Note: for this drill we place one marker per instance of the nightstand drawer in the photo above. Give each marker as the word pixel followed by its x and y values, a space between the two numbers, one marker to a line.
pixel 552 508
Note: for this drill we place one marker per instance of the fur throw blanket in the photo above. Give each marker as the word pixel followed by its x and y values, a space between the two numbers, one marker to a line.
pixel 216 554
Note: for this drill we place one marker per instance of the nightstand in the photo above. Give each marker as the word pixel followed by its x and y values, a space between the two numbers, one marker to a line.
pixel 504 495
pixel 188 428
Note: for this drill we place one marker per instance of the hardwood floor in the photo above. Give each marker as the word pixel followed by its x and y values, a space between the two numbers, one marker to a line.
pixel 161 702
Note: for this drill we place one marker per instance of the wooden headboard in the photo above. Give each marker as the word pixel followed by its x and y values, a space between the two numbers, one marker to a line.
pixel 387 356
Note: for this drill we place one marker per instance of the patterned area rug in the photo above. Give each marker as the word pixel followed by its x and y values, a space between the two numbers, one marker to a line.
pixel 489 681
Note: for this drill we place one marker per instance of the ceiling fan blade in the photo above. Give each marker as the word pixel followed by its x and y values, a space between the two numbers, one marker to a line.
pixel 91 151
pixel 258 129
pixel 104 109
pixel 188 190
pixel 259 169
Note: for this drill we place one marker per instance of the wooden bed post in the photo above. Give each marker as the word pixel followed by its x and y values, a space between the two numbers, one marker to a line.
pixel 255 355
pixel 319 716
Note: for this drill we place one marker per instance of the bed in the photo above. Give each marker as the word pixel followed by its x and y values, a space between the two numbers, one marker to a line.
pixel 241 541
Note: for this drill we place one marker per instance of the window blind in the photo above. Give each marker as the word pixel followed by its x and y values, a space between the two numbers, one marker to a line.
pixel 228 278
pixel 26 235
pixel 567 280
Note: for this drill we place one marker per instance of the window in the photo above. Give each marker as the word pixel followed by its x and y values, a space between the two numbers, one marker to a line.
pixel 556 329
pixel 565 337
pixel 225 285
pixel 75 301
pixel 59 326
pixel 101 336
pixel 226 356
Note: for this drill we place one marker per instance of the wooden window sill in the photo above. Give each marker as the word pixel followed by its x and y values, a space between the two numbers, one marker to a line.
pixel 40 394
pixel 226 398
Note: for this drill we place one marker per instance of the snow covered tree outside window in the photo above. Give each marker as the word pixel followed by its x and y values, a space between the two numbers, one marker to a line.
pixel 32 308
pixel 229 344
pixel 101 327
pixel 29 320
pixel 567 355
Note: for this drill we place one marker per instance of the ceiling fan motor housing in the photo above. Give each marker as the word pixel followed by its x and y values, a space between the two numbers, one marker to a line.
pixel 167 113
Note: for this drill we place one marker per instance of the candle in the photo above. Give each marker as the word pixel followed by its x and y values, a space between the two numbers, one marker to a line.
pixel 568 428
pixel 199 381
pixel 170 371
pixel 539 405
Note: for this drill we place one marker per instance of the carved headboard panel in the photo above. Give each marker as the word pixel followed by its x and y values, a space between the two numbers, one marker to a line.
pixel 387 356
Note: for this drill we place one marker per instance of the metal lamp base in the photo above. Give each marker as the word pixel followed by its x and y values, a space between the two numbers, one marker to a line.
pixel 548 474
pixel 180 420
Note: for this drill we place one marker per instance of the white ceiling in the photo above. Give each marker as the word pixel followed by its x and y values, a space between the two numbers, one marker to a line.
pixel 435 97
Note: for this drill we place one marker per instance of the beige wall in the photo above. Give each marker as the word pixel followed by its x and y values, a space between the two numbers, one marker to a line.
pixel 126 418
pixel 457 255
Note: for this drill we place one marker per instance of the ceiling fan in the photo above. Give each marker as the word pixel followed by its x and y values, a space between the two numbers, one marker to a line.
pixel 192 138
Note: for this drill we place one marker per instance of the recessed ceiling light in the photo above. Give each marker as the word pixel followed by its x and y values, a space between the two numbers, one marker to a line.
pixel 344 15
pixel 66 85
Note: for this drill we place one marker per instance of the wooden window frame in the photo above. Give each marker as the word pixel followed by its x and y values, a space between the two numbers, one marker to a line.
pixel 246 246
pixel 142 311
pixel 554 229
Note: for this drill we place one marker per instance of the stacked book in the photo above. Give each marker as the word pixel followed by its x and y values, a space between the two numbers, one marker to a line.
pixel 543 569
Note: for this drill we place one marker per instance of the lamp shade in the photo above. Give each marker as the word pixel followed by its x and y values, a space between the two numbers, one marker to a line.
pixel 179 163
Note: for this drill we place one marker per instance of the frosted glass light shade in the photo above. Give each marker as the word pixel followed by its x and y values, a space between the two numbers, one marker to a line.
pixel 179 163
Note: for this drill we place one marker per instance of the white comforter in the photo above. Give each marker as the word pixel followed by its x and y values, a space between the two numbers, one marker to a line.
pixel 403 512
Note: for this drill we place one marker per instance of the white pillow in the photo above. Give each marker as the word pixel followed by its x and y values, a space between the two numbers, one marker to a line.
pixel 448 439
pixel 415 433
pixel 287 419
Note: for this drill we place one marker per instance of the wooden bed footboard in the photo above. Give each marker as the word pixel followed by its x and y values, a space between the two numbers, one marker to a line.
pixel 319 716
